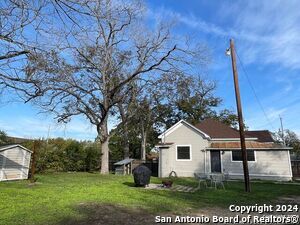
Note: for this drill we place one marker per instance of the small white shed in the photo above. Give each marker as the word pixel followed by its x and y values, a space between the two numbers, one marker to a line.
pixel 14 162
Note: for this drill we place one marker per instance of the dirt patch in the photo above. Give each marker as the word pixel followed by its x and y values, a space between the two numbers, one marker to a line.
pixel 106 214
pixel 109 214
pixel 289 200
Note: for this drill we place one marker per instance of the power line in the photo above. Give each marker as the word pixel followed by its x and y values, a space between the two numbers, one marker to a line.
pixel 254 92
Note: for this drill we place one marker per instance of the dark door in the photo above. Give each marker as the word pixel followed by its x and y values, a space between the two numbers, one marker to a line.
pixel 215 161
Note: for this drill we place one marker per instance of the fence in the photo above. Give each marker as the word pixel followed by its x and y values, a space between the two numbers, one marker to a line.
pixel 152 165
pixel 296 168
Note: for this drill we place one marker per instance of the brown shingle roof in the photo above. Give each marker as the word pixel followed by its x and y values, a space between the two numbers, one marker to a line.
pixel 261 135
pixel 249 144
pixel 216 129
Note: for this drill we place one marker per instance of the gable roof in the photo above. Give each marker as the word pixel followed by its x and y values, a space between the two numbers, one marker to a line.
pixel 261 135
pixel 6 147
pixel 175 126
pixel 216 129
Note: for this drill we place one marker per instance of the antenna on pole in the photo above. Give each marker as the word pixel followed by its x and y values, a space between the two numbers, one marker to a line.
pixel 231 52
pixel 282 132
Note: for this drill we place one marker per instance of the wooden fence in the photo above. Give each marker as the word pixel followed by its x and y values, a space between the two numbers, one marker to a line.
pixel 152 165
pixel 296 168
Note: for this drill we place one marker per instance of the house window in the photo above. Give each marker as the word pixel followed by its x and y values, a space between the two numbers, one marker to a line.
pixel 237 155
pixel 183 152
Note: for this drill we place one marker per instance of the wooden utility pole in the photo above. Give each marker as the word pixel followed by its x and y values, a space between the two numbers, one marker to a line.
pixel 240 117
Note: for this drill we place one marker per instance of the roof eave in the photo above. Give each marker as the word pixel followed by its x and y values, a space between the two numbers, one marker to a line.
pixel 15 145
pixel 224 149
pixel 233 139
pixel 206 136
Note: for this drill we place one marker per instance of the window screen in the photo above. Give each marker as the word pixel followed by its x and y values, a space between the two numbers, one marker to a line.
pixel 237 155
pixel 183 152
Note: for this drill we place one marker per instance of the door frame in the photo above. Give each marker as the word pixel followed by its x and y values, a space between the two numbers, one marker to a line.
pixel 221 160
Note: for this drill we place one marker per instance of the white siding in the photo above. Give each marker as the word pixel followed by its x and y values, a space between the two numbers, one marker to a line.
pixel 267 165
pixel 26 165
pixel 1 158
pixel 14 163
pixel 183 135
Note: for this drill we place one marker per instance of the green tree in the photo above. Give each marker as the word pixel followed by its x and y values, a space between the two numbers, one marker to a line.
pixel 58 154
pixel 88 59
pixel 290 138
pixel 228 117
pixel 3 138
pixel 173 98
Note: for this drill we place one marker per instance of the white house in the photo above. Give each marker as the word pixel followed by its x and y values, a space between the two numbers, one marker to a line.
pixel 14 162
pixel 213 147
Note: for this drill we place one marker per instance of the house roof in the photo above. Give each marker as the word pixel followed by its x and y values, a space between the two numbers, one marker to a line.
pixel 5 147
pixel 216 129
pixel 249 145
pixel 261 135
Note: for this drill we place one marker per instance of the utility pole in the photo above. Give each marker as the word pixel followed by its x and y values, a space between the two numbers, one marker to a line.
pixel 240 117
pixel 282 132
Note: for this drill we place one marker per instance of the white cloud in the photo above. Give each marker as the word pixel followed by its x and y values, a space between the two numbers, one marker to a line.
pixel 268 33
pixel 38 127
pixel 273 114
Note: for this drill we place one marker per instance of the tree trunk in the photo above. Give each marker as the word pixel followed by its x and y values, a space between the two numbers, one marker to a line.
pixel 126 141
pixel 143 144
pixel 104 157
pixel 104 140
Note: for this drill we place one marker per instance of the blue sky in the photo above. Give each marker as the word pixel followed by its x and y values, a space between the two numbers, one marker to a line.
pixel 267 38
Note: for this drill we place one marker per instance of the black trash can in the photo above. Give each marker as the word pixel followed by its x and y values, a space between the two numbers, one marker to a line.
pixel 141 176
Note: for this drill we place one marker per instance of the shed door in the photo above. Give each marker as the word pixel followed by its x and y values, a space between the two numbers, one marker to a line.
pixel 12 166
pixel 215 161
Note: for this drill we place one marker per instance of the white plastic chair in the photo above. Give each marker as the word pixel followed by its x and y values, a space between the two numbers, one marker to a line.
pixel 202 178
pixel 217 179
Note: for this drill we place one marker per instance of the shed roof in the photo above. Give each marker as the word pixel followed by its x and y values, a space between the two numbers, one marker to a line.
pixel 6 147
pixel 123 162
pixel 249 145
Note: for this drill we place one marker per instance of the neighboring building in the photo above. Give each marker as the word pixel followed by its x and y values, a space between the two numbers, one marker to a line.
pixel 14 162
pixel 213 147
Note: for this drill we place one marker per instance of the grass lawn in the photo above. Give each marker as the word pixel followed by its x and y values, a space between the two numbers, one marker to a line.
pixel 68 198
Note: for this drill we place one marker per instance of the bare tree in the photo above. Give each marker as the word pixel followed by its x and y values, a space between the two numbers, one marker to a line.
pixel 101 46
pixel 17 18
pixel 167 99
pixel 126 109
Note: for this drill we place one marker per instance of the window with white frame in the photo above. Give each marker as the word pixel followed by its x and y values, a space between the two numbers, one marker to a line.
pixel 237 155
pixel 184 152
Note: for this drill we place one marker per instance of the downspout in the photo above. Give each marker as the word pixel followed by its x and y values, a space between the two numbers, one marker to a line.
pixel 205 161
pixel 290 164
pixel 204 151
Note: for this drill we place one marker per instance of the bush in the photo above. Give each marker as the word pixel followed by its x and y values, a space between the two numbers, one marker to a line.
pixel 65 155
